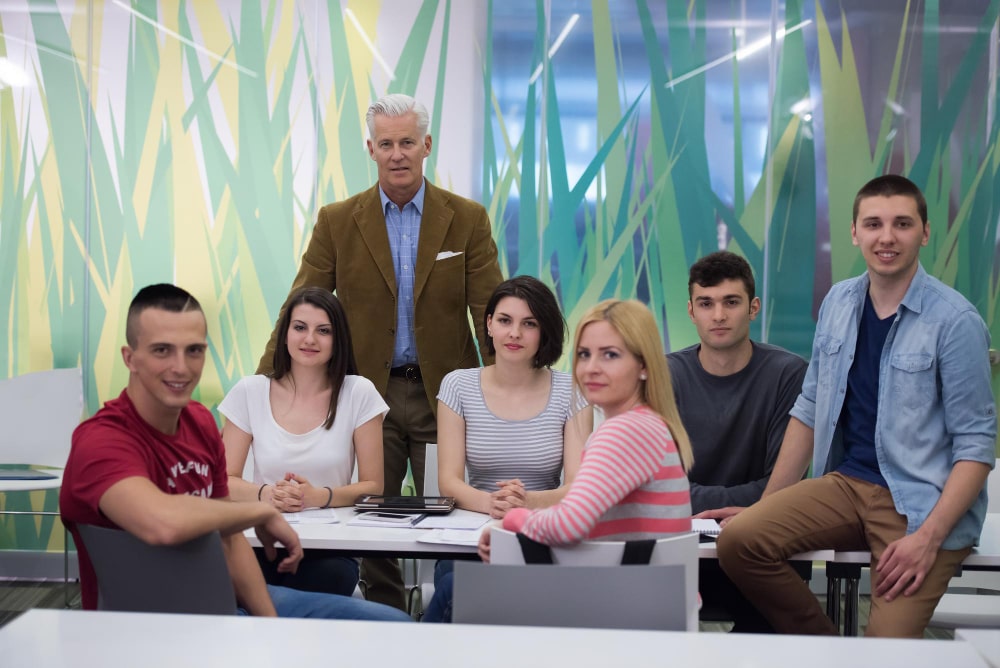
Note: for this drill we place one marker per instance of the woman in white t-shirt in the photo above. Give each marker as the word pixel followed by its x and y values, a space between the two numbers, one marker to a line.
pixel 307 423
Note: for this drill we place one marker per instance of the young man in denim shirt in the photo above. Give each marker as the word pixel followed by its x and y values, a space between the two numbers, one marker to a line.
pixel 897 415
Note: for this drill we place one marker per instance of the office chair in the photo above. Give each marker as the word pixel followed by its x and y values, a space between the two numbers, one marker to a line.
pixel 587 586
pixel 135 577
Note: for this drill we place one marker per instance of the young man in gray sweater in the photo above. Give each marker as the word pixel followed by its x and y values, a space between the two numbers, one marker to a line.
pixel 734 395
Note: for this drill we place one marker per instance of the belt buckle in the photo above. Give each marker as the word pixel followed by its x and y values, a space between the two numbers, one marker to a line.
pixel 411 372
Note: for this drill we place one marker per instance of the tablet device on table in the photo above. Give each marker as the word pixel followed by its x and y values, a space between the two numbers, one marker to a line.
pixel 405 504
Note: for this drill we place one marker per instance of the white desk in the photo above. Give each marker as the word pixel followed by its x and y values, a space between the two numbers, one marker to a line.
pixel 356 541
pixel 985 641
pixel 77 639
pixel 985 556
pixel 33 485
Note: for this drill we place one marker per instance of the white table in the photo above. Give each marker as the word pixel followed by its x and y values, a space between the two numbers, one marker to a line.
pixel 985 641
pixel 77 639
pixel 342 538
pixel 356 541
pixel 34 485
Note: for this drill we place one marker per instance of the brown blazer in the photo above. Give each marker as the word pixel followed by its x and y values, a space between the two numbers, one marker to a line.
pixel 349 254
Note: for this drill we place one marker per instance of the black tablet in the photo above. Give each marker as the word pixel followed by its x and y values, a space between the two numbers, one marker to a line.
pixel 405 504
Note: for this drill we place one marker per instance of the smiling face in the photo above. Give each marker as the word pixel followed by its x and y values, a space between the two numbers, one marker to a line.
pixel 165 364
pixel 514 330
pixel 399 149
pixel 606 371
pixel 890 232
pixel 722 314
pixel 310 336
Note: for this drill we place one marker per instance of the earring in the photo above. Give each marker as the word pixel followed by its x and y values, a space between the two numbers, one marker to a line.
pixel 642 376
pixel 489 333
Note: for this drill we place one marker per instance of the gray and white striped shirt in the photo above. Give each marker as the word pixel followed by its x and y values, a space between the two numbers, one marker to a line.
pixel 498 449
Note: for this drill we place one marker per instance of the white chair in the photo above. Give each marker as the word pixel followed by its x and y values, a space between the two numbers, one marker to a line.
pixel 39 412
pixel 587 586
pixel 973 598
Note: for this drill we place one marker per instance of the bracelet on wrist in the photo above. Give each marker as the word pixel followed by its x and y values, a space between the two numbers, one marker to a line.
pixel 261 491
pixel 329 497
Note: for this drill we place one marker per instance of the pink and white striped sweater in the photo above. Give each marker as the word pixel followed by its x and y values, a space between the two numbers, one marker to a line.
pixel 630 485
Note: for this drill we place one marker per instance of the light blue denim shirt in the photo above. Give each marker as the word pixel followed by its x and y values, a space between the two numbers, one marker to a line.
pixel 403 227
pixel 935 404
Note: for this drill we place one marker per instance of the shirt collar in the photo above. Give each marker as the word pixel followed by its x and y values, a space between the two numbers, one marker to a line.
pixel 914 294
pixel 913 298
pixel 417 201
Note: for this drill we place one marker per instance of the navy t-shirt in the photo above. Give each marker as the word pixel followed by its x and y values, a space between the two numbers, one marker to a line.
pixel 860 411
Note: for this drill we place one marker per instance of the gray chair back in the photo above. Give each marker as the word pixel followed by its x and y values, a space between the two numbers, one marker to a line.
pixel 586 587
pixel 597 597
pixel 135 577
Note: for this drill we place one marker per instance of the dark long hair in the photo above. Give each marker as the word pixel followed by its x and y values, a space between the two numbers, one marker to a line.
pixel 341 360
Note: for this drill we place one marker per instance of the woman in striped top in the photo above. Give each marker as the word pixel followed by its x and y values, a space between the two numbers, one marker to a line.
pixel 632 481
pixel 516 425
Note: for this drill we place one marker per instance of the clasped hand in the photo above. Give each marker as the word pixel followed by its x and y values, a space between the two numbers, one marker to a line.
pixel 511 494
pixel 289 494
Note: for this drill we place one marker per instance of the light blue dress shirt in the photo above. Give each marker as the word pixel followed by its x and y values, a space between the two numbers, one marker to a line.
pixel 403 226
pixel 935 404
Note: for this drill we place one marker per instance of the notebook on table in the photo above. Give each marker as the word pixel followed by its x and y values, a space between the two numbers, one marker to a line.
pixel 706 527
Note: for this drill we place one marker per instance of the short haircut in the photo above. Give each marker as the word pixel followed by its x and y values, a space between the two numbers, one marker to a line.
pixel 163 296
pixel 545 309
pixel 341 361
pixel 889 185
pixel 394 106
pixel 721 266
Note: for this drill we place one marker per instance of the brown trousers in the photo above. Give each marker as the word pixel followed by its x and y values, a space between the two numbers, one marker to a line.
pixel 408 428
pixel 831 512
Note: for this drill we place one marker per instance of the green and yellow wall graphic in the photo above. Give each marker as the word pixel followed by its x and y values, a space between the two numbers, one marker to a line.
pixel 612 141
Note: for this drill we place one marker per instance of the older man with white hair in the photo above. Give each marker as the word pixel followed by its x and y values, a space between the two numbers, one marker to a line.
pixel 409 261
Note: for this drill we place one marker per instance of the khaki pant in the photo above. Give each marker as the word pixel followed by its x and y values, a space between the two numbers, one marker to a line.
pixel 831 512
pixel 408 428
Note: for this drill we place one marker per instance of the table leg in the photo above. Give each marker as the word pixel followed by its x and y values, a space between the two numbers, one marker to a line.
pixel 851 587
pixel 833 598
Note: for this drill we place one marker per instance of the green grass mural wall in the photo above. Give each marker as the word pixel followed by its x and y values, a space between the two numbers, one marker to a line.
pixel 193 142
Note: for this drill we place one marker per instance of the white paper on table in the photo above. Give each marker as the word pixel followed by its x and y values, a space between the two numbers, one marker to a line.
pixel 313 516
pixel 465 522
pixel 452 537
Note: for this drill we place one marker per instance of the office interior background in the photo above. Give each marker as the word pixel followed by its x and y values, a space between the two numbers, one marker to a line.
pixel 613 142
